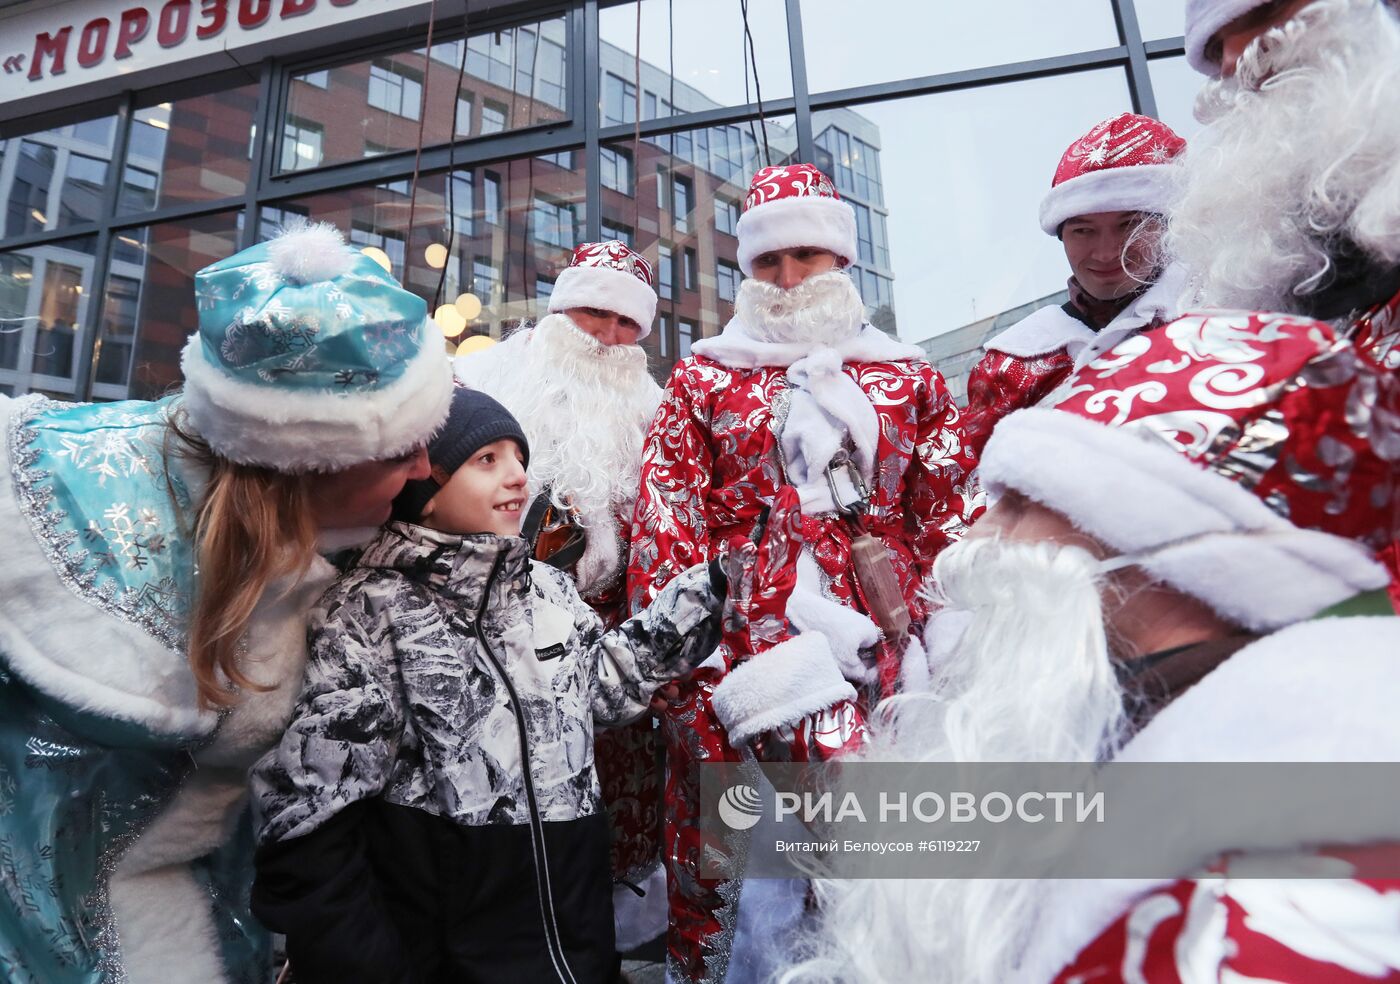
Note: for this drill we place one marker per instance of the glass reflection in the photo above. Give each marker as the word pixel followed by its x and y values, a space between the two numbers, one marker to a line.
pixel 689 189
pixel 512 227
pixel 148 309
pixel 694 57
pixel 44 295
pixel 515 77
pixel 192 150
pixel 897 39
pixel 55 178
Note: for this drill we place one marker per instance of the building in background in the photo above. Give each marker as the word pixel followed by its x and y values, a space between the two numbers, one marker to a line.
pixel 141 160
pixel 956 352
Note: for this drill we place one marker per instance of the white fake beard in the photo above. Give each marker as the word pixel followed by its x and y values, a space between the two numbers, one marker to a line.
pixel 1302 150
pixel 824 309
pixel 1029 680
pixel 585 408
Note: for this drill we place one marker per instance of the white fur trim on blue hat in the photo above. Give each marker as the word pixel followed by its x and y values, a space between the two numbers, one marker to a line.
pixel 608 290
pixel 1203 19
pixel 317 430
pixel 789 223
pixel 1260 571
pixel 1138 188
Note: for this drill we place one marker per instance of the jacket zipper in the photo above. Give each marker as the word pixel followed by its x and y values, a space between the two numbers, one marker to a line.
pixel 546 893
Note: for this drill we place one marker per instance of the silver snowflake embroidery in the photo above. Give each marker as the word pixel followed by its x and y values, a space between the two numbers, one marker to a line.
pixel 106 454
pixel 1099 153
pixel 134 539
pixel 1158 154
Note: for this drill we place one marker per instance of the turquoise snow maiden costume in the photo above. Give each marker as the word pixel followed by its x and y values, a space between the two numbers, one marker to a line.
pixel 125 839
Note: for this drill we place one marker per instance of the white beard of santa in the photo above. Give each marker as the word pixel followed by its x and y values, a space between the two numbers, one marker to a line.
pixel 584 407
pixel 825 309
pixel 1029 679
pixel 1302 152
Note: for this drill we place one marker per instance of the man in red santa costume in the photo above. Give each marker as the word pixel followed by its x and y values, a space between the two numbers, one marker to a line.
pixel 577 381
pixel 1104 205
pixel 1183 607
pixel 1289 199
pixel 797 391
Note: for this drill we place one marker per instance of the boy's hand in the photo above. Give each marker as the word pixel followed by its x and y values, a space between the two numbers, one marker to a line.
pixel 665 695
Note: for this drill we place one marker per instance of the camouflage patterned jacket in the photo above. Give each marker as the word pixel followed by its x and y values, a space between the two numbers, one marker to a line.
pixel 439 664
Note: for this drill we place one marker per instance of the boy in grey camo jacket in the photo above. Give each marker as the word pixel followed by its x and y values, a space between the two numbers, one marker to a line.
pixel 432 813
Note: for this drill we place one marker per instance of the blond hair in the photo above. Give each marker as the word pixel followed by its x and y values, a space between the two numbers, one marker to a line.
pixel 252 526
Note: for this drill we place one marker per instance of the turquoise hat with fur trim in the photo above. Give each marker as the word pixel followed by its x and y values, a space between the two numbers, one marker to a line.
pixel 310 357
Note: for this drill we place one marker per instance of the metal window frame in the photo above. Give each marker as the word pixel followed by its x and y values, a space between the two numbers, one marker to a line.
pixel 581 130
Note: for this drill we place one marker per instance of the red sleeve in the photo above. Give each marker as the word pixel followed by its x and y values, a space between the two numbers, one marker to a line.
pixel 941 496
pixel 1310 930
pixel 1001 384
pixel 668 525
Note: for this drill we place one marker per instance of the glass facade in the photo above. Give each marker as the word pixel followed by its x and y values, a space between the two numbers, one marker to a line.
pixel 940 124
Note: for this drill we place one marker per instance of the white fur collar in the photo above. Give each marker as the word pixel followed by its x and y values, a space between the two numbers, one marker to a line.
pixel 1050 329
pixel 1044 330
pixel 1318 691
pixel 736 348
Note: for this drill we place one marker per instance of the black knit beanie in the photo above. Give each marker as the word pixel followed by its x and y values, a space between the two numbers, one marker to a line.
pixel 473 421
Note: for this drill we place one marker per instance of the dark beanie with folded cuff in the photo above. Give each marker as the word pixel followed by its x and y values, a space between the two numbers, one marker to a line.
pixel 473 421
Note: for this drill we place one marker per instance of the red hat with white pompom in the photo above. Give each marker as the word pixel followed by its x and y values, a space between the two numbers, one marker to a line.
pixel 793 206
pixel 609 276
pixel 1121 165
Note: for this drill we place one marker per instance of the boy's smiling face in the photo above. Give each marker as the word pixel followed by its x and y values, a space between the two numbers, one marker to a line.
pixel 485 495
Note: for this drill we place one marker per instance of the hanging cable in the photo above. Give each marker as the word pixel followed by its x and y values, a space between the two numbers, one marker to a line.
pixel 752 60
pixel 637 125
pixel 452 158
pixel 418 150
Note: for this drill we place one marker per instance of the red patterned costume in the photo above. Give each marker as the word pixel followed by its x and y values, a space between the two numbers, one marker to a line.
pixel 751 413
pixel 1119 165
pixel 1303 425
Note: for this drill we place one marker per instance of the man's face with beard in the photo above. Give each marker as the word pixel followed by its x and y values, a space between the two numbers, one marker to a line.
pixel 608 327
pixel 1226 46
pixel 1298 159
pixel 786 268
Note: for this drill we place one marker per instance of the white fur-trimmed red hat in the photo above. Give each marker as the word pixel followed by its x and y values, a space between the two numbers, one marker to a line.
pixel 610 276
pixel 1121 165
pixel 1245 459
pixel 792 206
pixel 1203 19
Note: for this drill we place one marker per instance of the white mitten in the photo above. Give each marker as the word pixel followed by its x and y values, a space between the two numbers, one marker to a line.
pixel 846 630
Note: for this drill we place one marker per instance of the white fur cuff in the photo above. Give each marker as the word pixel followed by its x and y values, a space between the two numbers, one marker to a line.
pixel 607 290
pixel 781 686
pixel 1136 494
pixel 1139 188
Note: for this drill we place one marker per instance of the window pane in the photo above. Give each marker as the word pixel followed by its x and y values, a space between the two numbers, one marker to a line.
pixel 515 78
pixel 192 150
pixel 1175 84
pixel 55 178
pixel 687 200
pixel 514 225
pixel 1161 18
pixel 705 41
pixel 149 308
pixel 897 39
pixel 962 175
pixel 44 294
